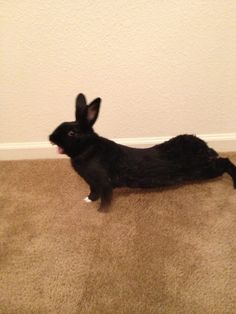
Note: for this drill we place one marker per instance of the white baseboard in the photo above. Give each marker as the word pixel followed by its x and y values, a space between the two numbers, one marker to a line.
pixel 44 150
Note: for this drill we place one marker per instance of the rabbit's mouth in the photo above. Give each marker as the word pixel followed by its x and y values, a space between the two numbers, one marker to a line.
pixel 60 150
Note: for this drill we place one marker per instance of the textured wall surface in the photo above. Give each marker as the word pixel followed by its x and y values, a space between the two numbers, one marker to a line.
pixel 161 67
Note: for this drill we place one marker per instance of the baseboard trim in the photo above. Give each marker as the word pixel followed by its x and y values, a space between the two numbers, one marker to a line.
pixel 44 150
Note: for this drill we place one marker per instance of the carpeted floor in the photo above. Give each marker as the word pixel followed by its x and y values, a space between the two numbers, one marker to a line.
pixel 163 251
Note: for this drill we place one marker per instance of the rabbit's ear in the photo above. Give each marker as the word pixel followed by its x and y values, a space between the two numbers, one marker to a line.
pixel 81 107
pixel 93 110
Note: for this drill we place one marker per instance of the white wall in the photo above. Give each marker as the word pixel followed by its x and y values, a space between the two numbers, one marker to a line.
pixel 161 67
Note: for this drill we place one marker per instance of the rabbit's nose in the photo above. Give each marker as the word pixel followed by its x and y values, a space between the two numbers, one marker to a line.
pixel 51 139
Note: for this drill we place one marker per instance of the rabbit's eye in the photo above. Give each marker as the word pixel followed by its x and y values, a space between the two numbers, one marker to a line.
pixel 71 133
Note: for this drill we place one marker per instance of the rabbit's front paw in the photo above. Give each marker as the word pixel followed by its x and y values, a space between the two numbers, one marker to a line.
pixel 93 196
pixel 87 199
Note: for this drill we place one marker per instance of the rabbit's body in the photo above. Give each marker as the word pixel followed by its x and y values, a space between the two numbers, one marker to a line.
pixel 105 164
pixel 183 158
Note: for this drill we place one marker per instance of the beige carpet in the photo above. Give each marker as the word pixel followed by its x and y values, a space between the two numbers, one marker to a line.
pixel 163 251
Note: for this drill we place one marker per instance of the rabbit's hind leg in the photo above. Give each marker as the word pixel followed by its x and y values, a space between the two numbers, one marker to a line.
pixel 230 168
pixel 219 166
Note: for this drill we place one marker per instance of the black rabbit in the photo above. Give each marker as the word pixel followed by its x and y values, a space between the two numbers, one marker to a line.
pixel 105 165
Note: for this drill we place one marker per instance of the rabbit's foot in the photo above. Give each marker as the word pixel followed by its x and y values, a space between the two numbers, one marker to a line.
pixel 92 197
pixel 87 199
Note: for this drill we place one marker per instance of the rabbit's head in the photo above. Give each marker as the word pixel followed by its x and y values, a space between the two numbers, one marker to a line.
pixel 71 137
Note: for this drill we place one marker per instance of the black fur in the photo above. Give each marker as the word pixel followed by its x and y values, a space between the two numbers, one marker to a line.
pixel 105 165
